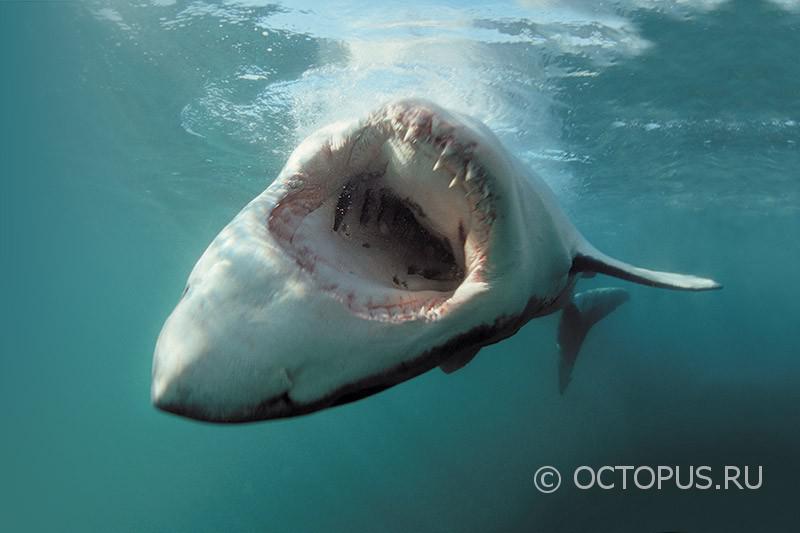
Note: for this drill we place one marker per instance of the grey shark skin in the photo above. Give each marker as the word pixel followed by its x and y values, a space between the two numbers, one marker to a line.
pixel 387 246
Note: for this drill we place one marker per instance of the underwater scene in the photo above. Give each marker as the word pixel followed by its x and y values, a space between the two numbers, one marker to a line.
pixel 134 132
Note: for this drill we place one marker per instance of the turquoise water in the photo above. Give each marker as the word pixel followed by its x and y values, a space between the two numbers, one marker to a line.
pixel 131 133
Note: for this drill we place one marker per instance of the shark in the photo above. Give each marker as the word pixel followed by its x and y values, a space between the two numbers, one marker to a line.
pixel 388 245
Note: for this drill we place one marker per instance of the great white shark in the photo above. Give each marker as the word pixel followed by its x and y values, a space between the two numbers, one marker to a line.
pixel 387 246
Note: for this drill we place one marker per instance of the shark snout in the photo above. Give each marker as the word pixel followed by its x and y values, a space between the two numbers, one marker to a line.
pixel 185 395
pixel 181 346
pixel 204 369
pixel 169 394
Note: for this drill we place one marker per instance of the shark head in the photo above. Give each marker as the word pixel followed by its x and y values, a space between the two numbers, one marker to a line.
pixel 387 246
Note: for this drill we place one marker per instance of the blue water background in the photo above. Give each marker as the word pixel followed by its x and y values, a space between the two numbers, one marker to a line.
pixel 131 133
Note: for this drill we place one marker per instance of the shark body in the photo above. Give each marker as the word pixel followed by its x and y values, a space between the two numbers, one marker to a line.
pixel 387 246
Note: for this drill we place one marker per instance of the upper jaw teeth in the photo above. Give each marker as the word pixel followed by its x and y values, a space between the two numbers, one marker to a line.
pixel 472 171
pixel 458 178
pixel 459 164
pixel 455 158
pixel 450 149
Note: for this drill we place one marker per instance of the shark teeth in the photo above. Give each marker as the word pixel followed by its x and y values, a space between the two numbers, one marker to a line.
pixel 450 153
pixel 458 178
pixel 450 149
pixel 472 171
pixel 419 126
pixel 456 157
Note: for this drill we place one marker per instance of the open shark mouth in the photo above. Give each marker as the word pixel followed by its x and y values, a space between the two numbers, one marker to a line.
pixel 393 218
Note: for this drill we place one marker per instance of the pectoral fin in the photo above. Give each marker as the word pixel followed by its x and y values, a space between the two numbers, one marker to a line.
pixel 591 261
pixel 458 360
pixel 585 310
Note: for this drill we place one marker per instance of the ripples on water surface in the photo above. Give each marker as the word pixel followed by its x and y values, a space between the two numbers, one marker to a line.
pixel 133 132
